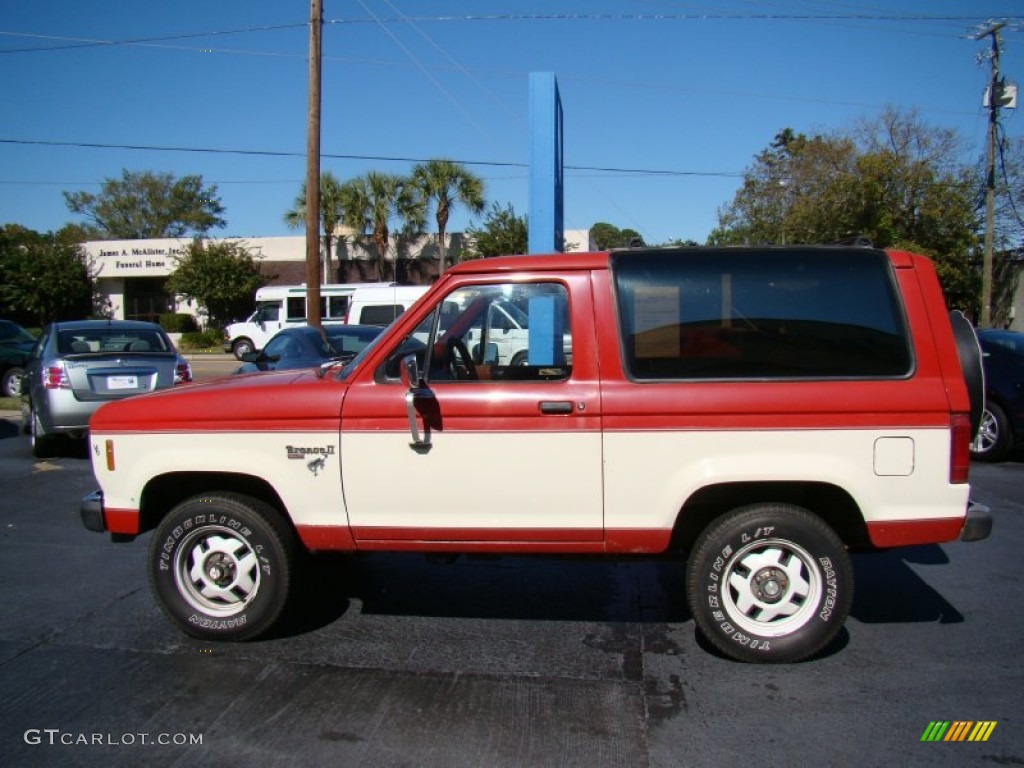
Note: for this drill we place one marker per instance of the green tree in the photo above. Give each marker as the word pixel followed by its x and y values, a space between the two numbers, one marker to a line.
pixel 42 277
pixel 502 233
pixel 332 215
pixel 376 201
pixel 145 204
pixel 895 181
pixel 605 236
pixel 221 277
pixel 446 184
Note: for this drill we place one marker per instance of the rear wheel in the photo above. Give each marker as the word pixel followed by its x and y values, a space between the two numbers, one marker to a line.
pixel 769 583
pixel 222 565
pixel 41 442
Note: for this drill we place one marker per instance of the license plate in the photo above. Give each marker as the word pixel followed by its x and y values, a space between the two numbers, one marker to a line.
pixel 122 382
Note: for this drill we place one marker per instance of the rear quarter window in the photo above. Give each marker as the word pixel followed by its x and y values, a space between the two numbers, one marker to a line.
pixel 760 313
pixel 379 314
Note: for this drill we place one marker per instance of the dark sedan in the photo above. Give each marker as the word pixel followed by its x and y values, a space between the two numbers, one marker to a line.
pixel 308 347
pixel 15 345
pixel 1002 424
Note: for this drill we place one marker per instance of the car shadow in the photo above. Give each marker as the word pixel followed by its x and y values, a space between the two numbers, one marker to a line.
pixel 563 588
pixel 888 590
pixel 523 587
pixel 9 428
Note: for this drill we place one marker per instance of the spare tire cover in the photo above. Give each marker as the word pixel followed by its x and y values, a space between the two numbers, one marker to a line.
pixel 970 362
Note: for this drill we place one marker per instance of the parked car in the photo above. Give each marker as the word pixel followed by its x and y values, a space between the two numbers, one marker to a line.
pixel 15 346
pixel 307 347
pixel 1002 424
pixel 77 366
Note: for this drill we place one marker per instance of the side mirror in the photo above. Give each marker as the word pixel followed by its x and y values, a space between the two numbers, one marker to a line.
pixel 250 357
pixel 417 393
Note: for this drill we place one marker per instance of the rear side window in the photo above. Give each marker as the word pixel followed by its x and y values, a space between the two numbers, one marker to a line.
pixel 772 313
pixel 379 314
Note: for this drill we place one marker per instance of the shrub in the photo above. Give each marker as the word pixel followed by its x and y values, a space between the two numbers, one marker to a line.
pixel 178 322
pixel 200 339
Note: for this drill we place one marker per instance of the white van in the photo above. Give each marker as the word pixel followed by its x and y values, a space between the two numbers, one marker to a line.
pixel 380 305
pixel 284 306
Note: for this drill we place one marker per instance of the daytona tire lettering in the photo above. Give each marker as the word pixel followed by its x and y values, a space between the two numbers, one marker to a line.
pixel 769 583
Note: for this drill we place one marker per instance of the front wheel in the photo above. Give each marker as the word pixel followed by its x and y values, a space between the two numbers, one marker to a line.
pixel 995 437
pixel 242 347
pixel 10 383
pixel 769 583
pixel 221 566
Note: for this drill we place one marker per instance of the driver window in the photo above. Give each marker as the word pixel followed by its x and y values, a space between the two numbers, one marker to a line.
pixel 507 332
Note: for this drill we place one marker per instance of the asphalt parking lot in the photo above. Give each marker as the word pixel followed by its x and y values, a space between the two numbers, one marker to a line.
pixel 398 660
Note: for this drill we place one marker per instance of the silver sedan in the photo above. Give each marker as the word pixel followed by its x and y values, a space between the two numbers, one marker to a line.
pixel 77 366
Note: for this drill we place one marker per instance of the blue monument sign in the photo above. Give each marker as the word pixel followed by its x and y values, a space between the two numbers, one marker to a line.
pixel 545 216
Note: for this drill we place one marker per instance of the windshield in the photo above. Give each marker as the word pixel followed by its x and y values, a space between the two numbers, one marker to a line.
pixel 354 363
pixel 14 332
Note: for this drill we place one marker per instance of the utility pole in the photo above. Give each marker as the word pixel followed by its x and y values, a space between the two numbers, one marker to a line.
pixel 994 99
pixel 316 20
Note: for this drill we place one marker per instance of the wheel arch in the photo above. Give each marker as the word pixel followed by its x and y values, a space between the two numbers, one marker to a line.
pixel 831 503
pixel 164 492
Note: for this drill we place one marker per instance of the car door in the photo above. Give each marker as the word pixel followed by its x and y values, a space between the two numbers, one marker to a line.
pixel 480 452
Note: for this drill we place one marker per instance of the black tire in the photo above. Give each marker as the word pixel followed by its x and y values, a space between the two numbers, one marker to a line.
pixel 10 383
pixel 43 445
pixel 769 583
pixel 994 440
pixel 241 347
pixel 222 565
pixel 969 351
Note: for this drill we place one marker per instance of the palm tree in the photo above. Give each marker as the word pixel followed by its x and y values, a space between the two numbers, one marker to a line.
pixel 445 184
pixel 332 213
pixel 373 201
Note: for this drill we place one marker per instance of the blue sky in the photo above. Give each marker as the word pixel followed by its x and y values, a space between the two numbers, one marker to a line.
pixel 696 88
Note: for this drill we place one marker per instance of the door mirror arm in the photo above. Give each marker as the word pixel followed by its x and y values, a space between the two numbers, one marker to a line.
pixel 416 390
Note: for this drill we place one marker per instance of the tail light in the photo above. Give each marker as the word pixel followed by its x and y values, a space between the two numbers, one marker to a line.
pixel 182 373
pixel 55 376
pixel 960 448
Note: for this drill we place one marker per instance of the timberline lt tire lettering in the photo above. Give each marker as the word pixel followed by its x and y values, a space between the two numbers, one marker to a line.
pixel 222 574
pixel 769 582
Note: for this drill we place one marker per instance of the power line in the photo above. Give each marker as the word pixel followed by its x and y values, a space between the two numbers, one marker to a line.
pixel 81 42
pixel 379 158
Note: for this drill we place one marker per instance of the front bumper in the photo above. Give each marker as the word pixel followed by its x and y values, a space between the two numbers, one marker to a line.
pixel 91 512
pixel 94 518
pixel 977 523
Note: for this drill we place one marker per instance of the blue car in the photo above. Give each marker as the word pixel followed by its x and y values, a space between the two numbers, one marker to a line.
pixel 1002 424
pixel 307 347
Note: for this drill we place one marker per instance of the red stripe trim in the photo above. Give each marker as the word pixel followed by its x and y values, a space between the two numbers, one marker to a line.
pixel 322 537
pixel 482 535
pixel 905 533
pixel 517 540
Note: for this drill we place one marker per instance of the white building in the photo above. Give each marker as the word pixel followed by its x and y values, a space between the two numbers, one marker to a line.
pixel 131 275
